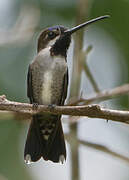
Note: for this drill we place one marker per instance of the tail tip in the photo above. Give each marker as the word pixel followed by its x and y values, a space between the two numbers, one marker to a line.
pixel 61 158
pixel 28 159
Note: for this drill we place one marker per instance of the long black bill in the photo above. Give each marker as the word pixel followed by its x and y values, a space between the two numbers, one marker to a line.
pixel 76 28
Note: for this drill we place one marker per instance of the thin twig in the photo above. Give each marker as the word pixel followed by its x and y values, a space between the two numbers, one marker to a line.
pixel 98 147
pixel 90 77
pixel 104 149
pixel 86 69
pixel 103 95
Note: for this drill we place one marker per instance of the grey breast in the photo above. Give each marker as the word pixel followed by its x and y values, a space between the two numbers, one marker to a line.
pixel 47 78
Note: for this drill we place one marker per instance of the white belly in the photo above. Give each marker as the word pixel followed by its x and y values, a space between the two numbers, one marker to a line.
pixel 46 87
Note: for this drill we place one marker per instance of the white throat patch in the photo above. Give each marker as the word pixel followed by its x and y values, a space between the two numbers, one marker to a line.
pixel 52 42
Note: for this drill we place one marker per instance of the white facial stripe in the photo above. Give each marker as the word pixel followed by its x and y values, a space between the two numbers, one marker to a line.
pixel 51 42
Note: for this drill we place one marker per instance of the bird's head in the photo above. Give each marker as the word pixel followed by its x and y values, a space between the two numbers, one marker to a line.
pixel 59 37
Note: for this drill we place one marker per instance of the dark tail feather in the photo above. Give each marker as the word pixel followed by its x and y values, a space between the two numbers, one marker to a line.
pixel 33 145
pixel 45 139
pixel 57 149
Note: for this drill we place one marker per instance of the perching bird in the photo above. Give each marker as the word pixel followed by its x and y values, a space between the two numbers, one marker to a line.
pixel 47 84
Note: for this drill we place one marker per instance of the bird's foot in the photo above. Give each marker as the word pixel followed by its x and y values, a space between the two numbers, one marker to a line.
pixel 52 106
pixel 35 106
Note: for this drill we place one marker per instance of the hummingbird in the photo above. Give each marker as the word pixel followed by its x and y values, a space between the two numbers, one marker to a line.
pixel 47 83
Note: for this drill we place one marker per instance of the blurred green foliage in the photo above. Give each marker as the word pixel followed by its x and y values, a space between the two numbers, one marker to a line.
pixel 15 57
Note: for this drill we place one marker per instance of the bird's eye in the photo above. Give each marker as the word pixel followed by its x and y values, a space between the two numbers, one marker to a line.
pixel 51 34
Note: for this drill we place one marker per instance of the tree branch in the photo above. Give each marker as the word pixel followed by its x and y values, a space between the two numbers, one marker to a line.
pixel 92 111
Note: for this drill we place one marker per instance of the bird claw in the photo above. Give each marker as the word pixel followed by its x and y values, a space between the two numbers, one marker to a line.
pixel 35 106
pixel 51 106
